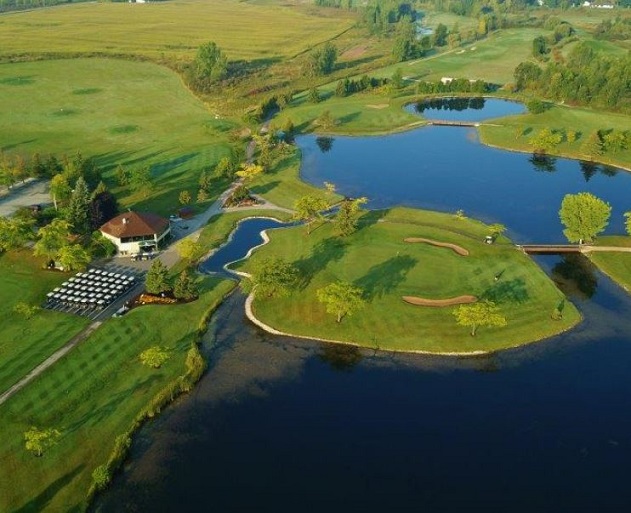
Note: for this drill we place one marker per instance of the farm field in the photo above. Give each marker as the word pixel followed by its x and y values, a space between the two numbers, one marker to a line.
pixel 25 343
pixel 91 396
pixel 130 113
pixel 172 30
pixel 377 259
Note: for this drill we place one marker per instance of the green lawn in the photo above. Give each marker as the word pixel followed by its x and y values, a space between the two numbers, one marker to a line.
pixel 172 30
pixel 377 259
pixel 502 132
pixel 25 343
pixel 131 113
pixel 92 395
pixel 615 265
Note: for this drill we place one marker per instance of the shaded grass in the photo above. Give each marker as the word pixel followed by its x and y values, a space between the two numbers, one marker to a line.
pixel 123 120
pixel 25 343
pixel 91 396
pixel 377 259
pixel 615 265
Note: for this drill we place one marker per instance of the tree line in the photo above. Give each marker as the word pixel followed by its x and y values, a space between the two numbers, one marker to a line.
pixel 584 78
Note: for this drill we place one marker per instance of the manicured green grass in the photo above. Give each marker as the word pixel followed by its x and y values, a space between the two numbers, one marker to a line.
pixel 173 29
pixel 92 395
pixel 502 132
pixel 615 265
pixel 25 343
pixel 377 259
pixel 130 113
pixel 282 185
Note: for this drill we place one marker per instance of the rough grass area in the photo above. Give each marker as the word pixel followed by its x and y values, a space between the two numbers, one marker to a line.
pixel 91 396
pixel 514 132
pixel 130 113
pixel 377 259
pixel 25 343
pixel 173 29
pixel 615 265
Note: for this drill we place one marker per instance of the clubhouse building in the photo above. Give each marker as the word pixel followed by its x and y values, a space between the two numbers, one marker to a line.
pixel 136 232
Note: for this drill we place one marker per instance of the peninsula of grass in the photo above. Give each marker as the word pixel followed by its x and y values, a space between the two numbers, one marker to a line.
pixel 92 395
pixel 27 342
pixel 514 132
pixel 377 259
pixel 616 265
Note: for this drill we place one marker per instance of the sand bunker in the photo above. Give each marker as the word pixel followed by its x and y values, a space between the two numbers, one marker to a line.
pixel 420 301
pixel 377 106
pixel 457 249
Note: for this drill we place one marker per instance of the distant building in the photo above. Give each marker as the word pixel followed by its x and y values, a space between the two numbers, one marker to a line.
pixel 136 232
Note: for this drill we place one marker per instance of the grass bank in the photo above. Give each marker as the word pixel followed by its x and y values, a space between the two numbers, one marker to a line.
pixel 377 259
pixel 615 265
pixel 27 342
pixel 92 395
pixel 514 132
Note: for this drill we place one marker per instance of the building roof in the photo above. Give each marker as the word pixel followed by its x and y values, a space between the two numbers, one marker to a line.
pixel 135 224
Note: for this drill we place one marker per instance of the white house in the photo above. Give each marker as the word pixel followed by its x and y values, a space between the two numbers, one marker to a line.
pixel 135 232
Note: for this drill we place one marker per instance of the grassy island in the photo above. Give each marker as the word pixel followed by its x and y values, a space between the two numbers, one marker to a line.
pixel 378 260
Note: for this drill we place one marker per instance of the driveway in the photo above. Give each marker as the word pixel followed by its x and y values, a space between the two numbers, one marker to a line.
pixel 35 192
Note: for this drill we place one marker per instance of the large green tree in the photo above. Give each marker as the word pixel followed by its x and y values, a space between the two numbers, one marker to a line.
pixel 309 209
pixel 157 278
pixel 341 298
pixel 51 238
pixel 60 189
pixel 274 277
pixel 15 232
pixel 73 257
pixel 584 216
pixel 78 213
pixel 348 215
pixel 321 61
pixel 154 357
pixel 185 287
pixel 482 313
pixel 210 63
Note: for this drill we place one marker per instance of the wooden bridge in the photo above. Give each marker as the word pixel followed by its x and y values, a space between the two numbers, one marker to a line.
pixel 538 249
pixel 439 122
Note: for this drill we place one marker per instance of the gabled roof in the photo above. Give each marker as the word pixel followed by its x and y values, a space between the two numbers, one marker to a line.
pixel 135 224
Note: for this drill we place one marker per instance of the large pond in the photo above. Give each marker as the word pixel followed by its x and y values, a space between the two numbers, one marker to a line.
pixel 279 424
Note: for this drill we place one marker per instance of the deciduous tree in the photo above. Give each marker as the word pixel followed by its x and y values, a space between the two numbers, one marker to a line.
pixel 341 298
pixel 309 210
pixel 39 440
pixel 210 63
pixel 73 257
pixel 154 357
pixel 15 232
pixel 481 313
pixel 274 277
pixel 348 215
pixel 51 238
pixel 584 216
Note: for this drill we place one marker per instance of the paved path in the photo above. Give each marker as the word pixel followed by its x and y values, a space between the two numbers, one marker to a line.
pixel 85 333
pixel 32 192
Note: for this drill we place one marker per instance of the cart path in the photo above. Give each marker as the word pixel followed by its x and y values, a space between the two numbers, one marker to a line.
pixel 51 360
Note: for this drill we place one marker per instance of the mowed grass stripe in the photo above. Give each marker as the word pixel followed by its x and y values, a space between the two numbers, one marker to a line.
pixel 92 395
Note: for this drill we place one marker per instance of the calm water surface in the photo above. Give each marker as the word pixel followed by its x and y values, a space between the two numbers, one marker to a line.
pixel 279 424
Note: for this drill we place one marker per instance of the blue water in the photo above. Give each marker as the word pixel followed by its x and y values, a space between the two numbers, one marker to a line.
pixel 246 236
pixel 448 169
pixel 287 425
pixel 465 109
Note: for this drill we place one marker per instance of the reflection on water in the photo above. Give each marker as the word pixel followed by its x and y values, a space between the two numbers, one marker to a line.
pixel 575 275
pixel 325 143
pixel 465 108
